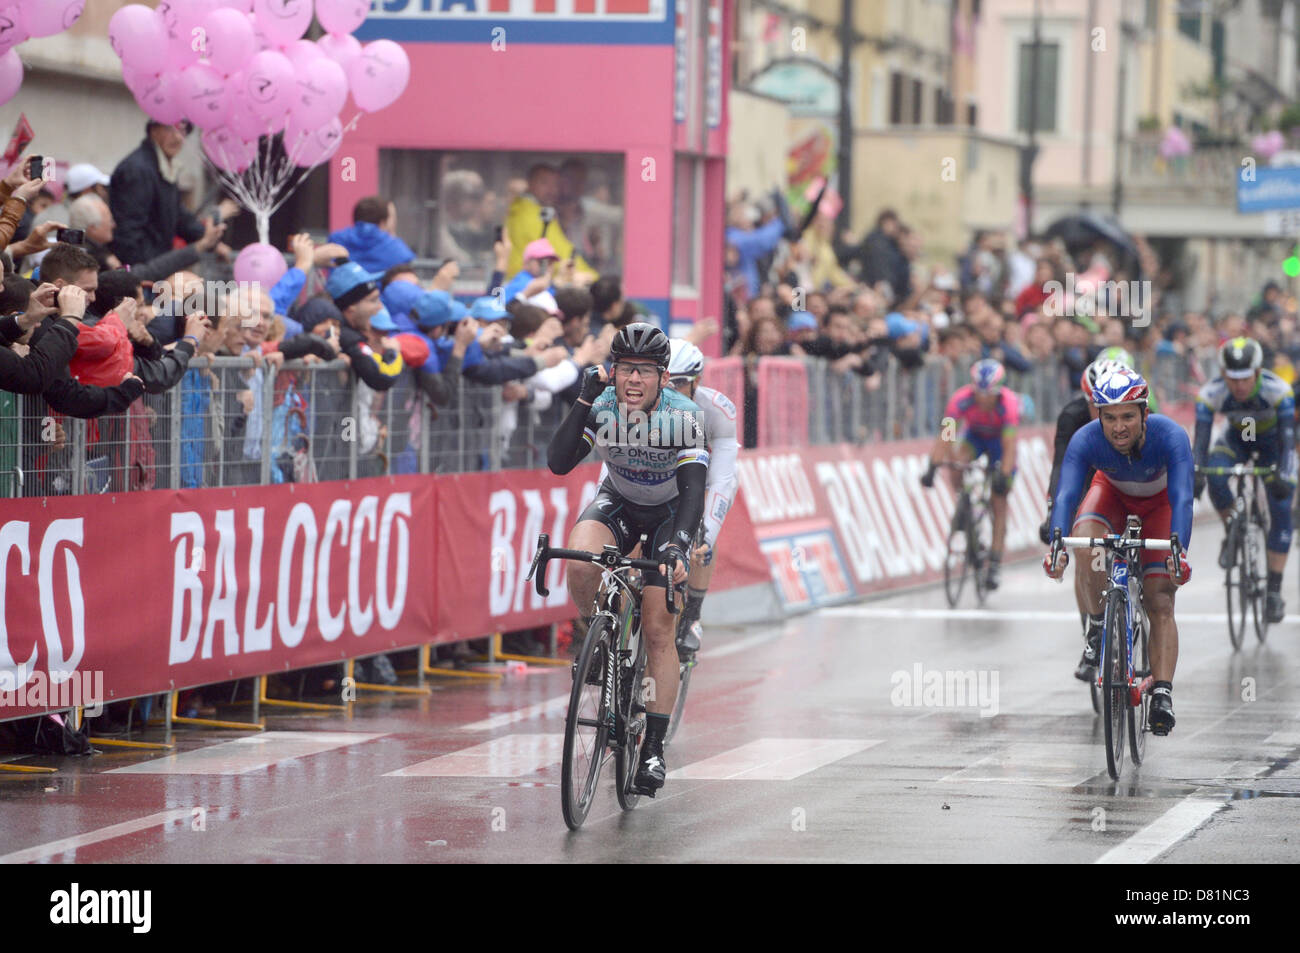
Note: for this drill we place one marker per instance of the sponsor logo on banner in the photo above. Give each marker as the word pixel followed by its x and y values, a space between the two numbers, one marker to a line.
pixel 518 517
pixel 50 566
pixel 808 569
pixel 317 576
pixel 776 488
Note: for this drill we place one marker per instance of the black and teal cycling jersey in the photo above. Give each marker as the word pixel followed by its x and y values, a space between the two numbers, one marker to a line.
pixel 643 451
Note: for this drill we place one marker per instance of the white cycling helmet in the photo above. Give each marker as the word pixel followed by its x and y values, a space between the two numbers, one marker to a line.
pixel 684 359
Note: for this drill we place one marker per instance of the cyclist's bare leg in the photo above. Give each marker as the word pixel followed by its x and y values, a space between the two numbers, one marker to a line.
pixel 659 627
pixel 999 523
pixel 1158 599
pixel 962 453
pixel 584 578
pixel 1276 561
pixel 1090 569
pixel 701 575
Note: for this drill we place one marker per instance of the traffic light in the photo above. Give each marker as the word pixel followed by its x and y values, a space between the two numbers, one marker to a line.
pixel 1291 267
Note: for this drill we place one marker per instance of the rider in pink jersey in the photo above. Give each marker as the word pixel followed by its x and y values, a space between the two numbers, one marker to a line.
pixel 989 414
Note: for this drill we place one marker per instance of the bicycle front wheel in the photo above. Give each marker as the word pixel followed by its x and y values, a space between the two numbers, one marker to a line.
pixel 1236 584
pixel 1140 705
pixel 631 718
pixel 957 562
pixel 1114 685
pixel 684 681
pixel 586 726
pixel 1257 578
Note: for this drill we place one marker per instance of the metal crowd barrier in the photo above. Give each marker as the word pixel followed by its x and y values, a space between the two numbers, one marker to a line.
pixel 229 423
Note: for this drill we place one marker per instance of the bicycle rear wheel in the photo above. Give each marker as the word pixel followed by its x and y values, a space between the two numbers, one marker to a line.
pixel 631 717
pixel 1114 688
pixel 1235 583
pixel 977 553
pixel 956 563
pixel 1137 713
pixel 586 726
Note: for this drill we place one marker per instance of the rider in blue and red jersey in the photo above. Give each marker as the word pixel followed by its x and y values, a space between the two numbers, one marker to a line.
pixel 1144 467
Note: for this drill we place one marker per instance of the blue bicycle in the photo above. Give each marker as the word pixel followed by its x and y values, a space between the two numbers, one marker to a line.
pixel 1124 667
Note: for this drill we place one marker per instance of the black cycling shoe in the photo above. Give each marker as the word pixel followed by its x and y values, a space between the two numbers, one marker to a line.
pixel 993 575
pixel 1161 716
pixel 1274 607
pixel 1225 552
pixel 652 770
pixel 1087 668
pixel 688 642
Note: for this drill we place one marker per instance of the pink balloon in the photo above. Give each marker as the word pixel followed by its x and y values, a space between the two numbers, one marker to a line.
pixel 11 75
pixel 262 42
pixel 261 263
pixel 322 91
pixel 379 75
pixel 227 150
pixel 188 38
pixel 13 26
pixel 137 80
pixel 243 6
pixel 247 125
pixel 309 147
pixel 270 84
pixel 283 21
pixel 136 34
pixel 161 99
pixel 204 96
pixel 230 40
pixel 302 52
pixel 342 48
pixel 341 16
pixel 48 17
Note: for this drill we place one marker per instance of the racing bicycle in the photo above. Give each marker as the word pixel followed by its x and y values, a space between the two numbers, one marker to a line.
pixel 606 716
pixel 1245 535
pixel 1124 666
pixel 970 533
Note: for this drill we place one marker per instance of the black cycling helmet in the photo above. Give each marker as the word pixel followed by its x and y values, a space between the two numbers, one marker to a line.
pixel 1241 357
pixel 641 340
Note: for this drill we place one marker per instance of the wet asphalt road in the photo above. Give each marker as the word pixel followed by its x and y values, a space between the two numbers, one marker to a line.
pixel 801 742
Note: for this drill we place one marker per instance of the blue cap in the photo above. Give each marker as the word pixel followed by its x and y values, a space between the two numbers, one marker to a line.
pixel 314 311
pixel 383 321
pixel 458 310
pixel 400 297
pixel 900 326
pixel 349 283
pixel 487 308
pixel 432 309
pixel 802 321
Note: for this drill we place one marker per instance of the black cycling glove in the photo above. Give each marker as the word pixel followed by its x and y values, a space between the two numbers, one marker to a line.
pixel 592 385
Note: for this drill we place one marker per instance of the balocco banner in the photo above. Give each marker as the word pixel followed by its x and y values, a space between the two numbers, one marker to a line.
pixel 162 590
pixel 488 528
pixel 838 522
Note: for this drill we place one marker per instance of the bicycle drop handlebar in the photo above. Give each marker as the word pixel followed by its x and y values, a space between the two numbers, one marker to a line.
pixel 1238 469
pixel 1118 541
pixel 609 558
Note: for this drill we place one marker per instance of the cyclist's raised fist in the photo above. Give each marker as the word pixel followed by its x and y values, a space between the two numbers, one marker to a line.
pixel 594 382
pixel 927 478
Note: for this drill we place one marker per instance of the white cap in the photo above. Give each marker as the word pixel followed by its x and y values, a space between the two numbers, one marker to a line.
pixel 84 176
pixel 546 301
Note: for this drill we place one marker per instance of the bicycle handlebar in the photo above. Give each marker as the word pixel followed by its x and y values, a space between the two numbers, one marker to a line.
pixel 1114 541
pixel 610 558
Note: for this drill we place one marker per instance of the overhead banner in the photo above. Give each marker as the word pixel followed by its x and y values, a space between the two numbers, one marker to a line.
pixel 150 591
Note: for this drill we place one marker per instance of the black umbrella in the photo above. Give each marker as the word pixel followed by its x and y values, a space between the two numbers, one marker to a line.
pixel 1081 232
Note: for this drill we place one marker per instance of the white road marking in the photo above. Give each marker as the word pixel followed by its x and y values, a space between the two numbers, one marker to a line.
pixel 556 706
pixel 1003 615
pixel 772 759
pixel 551 707
pixel 511 756
pixel 66 844
pixel 1164 832
pixel 1055 765
pixel 252 753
